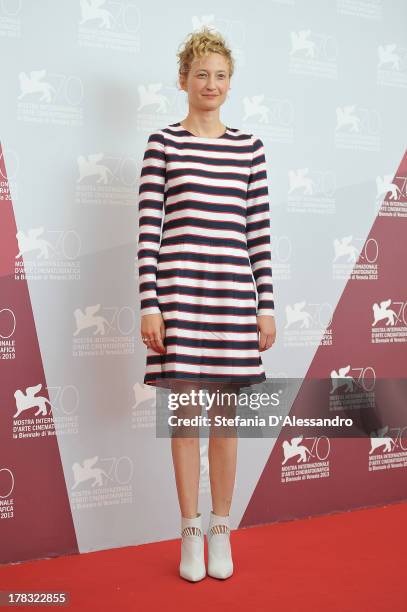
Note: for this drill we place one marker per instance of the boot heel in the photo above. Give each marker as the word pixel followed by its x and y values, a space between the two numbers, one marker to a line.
pixel 192 565
pixel 220 563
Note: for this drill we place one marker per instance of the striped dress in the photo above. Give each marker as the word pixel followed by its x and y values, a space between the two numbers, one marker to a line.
pixel 204 257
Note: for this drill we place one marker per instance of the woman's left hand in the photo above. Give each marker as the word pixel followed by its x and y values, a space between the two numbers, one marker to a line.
pixel 267 329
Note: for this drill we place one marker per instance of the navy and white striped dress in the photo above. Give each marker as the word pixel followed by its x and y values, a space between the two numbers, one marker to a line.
pixel 204 254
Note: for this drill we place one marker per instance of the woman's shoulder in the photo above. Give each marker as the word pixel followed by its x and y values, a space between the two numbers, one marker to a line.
pixel 162 134
pixel 243 134
pixel 157 134
pixel 240 133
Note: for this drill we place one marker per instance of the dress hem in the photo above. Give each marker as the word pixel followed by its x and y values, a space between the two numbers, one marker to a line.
pixel 235 380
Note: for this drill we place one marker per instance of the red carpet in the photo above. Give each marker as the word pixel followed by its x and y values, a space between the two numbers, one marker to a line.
pixel 348 562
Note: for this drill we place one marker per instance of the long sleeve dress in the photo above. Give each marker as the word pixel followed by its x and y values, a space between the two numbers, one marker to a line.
pixel 204 256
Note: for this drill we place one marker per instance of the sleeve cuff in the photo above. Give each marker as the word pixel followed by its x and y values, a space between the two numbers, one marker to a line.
pixel 268 312
pixel 150 310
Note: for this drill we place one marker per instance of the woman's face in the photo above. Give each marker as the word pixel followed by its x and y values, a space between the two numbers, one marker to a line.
pixel 208 82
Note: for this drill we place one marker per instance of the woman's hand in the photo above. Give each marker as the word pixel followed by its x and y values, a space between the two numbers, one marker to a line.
pixel 267 328
pixel 153 332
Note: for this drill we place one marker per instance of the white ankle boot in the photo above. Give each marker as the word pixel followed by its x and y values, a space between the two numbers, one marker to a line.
pixel 192 565
pixel 220 563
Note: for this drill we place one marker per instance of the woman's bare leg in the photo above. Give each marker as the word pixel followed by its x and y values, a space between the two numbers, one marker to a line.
pixel 222 455
pixel 186 456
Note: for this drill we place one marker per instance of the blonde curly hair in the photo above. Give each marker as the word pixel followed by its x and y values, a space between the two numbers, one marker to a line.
pixel 199 44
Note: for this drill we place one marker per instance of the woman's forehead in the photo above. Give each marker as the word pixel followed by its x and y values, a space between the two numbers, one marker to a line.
pixel 214 61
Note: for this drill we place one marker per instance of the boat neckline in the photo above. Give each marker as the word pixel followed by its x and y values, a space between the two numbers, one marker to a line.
pixel 178 124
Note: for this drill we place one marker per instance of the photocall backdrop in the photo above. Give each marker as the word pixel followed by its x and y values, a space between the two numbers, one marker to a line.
pixel 324 84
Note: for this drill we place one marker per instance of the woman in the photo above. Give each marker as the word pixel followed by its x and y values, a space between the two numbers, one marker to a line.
pixel 200 321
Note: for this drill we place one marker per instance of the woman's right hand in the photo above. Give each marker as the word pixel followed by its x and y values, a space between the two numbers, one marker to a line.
pixel 153 332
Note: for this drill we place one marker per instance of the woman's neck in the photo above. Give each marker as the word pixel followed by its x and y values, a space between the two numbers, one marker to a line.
pixel 211 130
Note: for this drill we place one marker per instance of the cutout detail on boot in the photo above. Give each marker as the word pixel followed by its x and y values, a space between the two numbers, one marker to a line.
pixel 194 531
pixel 220 528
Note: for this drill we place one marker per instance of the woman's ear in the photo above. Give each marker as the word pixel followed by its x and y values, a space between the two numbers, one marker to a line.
pixel 181 81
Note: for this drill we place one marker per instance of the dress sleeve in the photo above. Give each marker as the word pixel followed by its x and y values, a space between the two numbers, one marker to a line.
pixel 258 229
pixel 150 208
